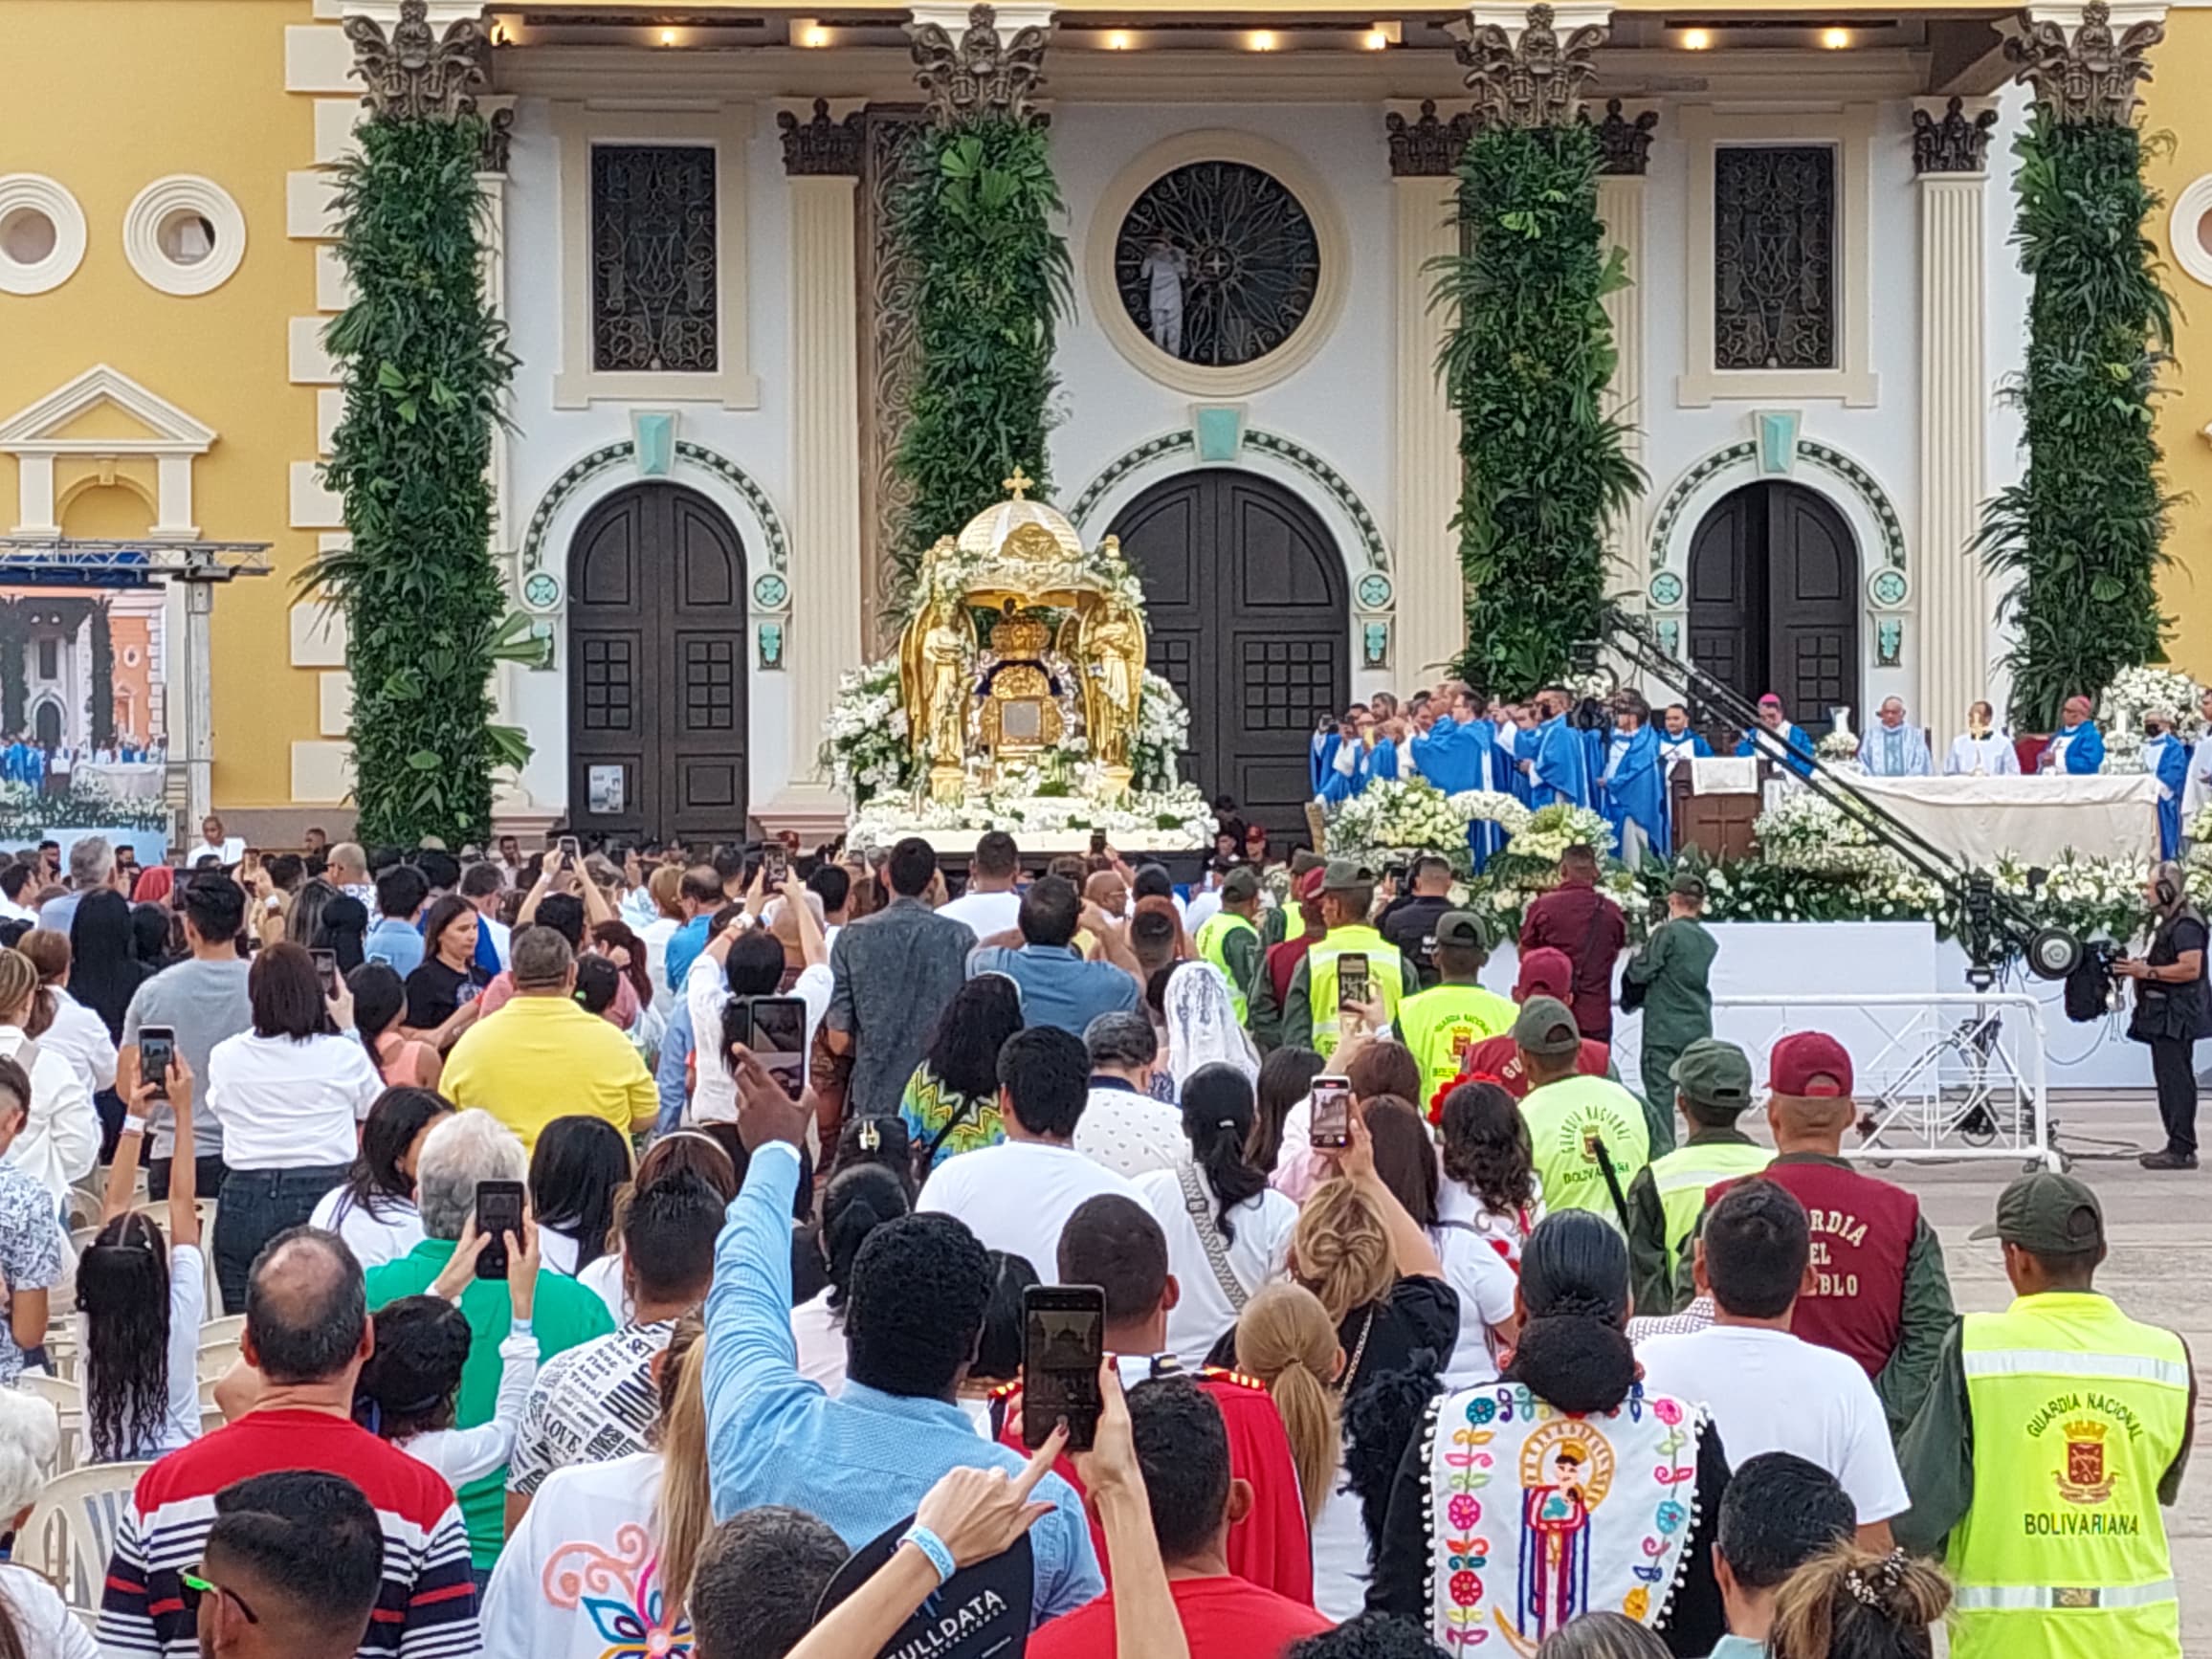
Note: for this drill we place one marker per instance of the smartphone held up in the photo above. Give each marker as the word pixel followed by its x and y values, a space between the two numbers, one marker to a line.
pixel 1063 1345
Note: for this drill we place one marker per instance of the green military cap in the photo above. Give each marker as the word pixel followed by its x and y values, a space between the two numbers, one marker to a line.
pixel 2048 1213
pixel 1461 928
pixel 1546 1028
pixel 1239 885
pixel 1714 1073
pixel 1346 875
pixel 1688 884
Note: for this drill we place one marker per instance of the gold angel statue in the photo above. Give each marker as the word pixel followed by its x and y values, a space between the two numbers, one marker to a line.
pixel 1114 648
pixel 934 676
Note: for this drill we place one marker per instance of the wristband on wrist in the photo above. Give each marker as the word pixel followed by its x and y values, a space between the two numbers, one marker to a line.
pixel 133 1125
pixel 931 1546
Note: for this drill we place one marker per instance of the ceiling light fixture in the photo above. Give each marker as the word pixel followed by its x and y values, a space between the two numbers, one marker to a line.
pixel 1119 41
pixel 1697 39
pixel 667 37
pixel 1262 41
pixel 1836 39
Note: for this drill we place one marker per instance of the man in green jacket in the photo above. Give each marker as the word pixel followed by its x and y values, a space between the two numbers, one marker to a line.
pixel 461 1153
pixel 1712 1083
pixel 1671 978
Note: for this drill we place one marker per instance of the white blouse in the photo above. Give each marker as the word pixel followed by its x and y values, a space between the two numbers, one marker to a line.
pixel 290 1102
pixel 1258 1255
pixel 61 1140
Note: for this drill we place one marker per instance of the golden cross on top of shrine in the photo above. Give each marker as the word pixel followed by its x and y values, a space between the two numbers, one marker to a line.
pixel 1017 484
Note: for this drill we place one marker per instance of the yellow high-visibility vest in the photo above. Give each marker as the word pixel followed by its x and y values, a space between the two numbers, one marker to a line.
pixel 1385 976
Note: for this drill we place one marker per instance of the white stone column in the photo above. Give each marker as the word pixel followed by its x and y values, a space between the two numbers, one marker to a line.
pixel 1951 597
pixel 1432 601
pixel 1625 142
pixel 822 152
pixel 200 705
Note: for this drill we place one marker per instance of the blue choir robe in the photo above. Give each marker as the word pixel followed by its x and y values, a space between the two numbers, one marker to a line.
pixel 1562 769
pixel 1519 742
pixel 1380 762
pixel 2083 751
pixel 1799 757
pixel 1341 777
pixel 1457 756
pixel 1321 758
pixel 2168 758
pixel 1635 790
pixel 12 763
pixel 1896 752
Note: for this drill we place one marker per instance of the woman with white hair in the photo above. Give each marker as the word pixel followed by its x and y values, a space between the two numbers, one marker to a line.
pixel 35 1622
pixel 1202 1028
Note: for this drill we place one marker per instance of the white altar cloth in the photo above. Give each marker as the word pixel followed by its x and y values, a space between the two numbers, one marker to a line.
pixel 2037 819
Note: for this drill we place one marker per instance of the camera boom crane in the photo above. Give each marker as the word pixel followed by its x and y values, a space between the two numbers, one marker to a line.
pixel 1994 925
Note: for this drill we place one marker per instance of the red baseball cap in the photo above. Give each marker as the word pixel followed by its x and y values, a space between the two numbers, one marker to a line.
pixel 1811 1065
pixel 1309 885
pixel 1545 972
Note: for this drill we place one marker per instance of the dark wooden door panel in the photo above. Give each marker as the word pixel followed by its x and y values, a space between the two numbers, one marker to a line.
pixel 1774 585
pixel 657 629
pixel 1248 619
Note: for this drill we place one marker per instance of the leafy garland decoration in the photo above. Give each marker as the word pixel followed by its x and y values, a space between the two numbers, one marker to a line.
pixel 100 696
pixel 974 222
pixel 2079 537
pixel 1525 365
pixel 15 688
pixel 423 363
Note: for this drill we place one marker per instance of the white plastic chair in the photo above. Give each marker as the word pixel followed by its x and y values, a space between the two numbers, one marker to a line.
pixel 228 1328
pixel 66 1394
pixel 215 1358
pixel 72 1530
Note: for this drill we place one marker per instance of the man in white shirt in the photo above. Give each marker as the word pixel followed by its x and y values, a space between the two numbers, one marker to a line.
pixel 1123 1127
pixel 1017 1195
pixel 16 883
pixel 989 905
pixel 745 959
pixel 1768 1390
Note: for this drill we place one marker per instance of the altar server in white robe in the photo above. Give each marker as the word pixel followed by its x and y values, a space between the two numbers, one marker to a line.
pixel 2197 792
pixel 1893 749
pixel 1981 750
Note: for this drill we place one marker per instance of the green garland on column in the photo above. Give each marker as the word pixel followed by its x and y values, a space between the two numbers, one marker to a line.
pixel 424 361
pixel 2082 531
pixel 15 687
pixel 1525 365
pixel 977 222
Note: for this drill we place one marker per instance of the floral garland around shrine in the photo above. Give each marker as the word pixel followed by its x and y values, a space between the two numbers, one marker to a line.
pixel 2134 692
pixel 24 810
pixel 1393 821
pixel 1146 820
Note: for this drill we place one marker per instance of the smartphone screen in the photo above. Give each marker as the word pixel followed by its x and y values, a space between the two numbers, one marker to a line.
pixel 1332 1113
pixel 775 865
pixel 157 1054
pixel 1097 843
pixel 780 1039
pixel 571 850
pixel 1351 979
pixel 499 1212
pixel 1063 1343
pixel 326 970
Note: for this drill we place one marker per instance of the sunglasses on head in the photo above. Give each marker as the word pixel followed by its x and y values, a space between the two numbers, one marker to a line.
pixel 192 1585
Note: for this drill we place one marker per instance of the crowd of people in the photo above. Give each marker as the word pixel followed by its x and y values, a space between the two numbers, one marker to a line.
pixel 637 1258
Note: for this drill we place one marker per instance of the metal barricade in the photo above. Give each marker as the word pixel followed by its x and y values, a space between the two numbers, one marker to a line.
pixel 1938 1078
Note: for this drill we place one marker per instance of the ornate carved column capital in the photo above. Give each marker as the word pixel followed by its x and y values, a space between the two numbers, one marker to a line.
pixel 2080 72
pixel 1532 78
pixel 416 74
pixel 1953 141
pixel 981 72
pixel 1623 140
pixel 821 147
pixel 1427 146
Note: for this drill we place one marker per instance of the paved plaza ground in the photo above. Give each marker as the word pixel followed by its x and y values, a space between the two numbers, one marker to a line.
pixel 2159 1228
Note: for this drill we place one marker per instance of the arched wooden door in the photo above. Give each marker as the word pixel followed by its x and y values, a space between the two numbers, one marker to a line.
pixel 1773 600
pixel 1249 619
pixel 657 670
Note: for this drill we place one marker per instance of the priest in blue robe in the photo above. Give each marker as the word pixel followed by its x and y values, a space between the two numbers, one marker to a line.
pixel 2078 749
pixel 1786 743
pixel 1558 768
pixel 1459 753
pixel 1632 786
pixel 1677 740
pixel 1893 749
pixel 2166 758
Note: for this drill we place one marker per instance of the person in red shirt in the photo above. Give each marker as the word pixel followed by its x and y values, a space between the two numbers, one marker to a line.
pixel 1271 989
pixel 1182 1447
pixel 1576 918
pixel 1545 972
pixel 1115 1243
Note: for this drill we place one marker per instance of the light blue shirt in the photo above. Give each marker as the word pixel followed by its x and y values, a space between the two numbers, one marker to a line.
pixel 859 1463
pixel 397 943
pixel 1739 1648
pixel 683 949
pixel 669 1074
pixel 1059 987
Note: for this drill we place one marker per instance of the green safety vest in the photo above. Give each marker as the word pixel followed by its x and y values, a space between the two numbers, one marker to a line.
pixel 1684 1176
pixel 1442 1023
pixel 1566 1120
pixel 2078 1411
pixel 1213 947
pixel 1385 974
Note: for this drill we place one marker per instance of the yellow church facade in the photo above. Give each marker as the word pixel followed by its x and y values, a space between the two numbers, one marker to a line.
pixel 166 270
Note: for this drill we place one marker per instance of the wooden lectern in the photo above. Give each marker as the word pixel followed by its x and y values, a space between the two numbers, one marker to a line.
pixel 1718 825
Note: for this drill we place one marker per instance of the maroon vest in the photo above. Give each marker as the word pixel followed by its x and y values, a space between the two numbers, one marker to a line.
pixel 1861 1233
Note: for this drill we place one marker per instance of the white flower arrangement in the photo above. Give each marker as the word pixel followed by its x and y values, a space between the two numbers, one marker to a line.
pixel 1837 747
pixel 1162 733
pixel 2134 692
pixel 1552 830
pixel 1181 816
pixel 1394 818
pixel 1804 831
pixel 1492 807
pixel 864 745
